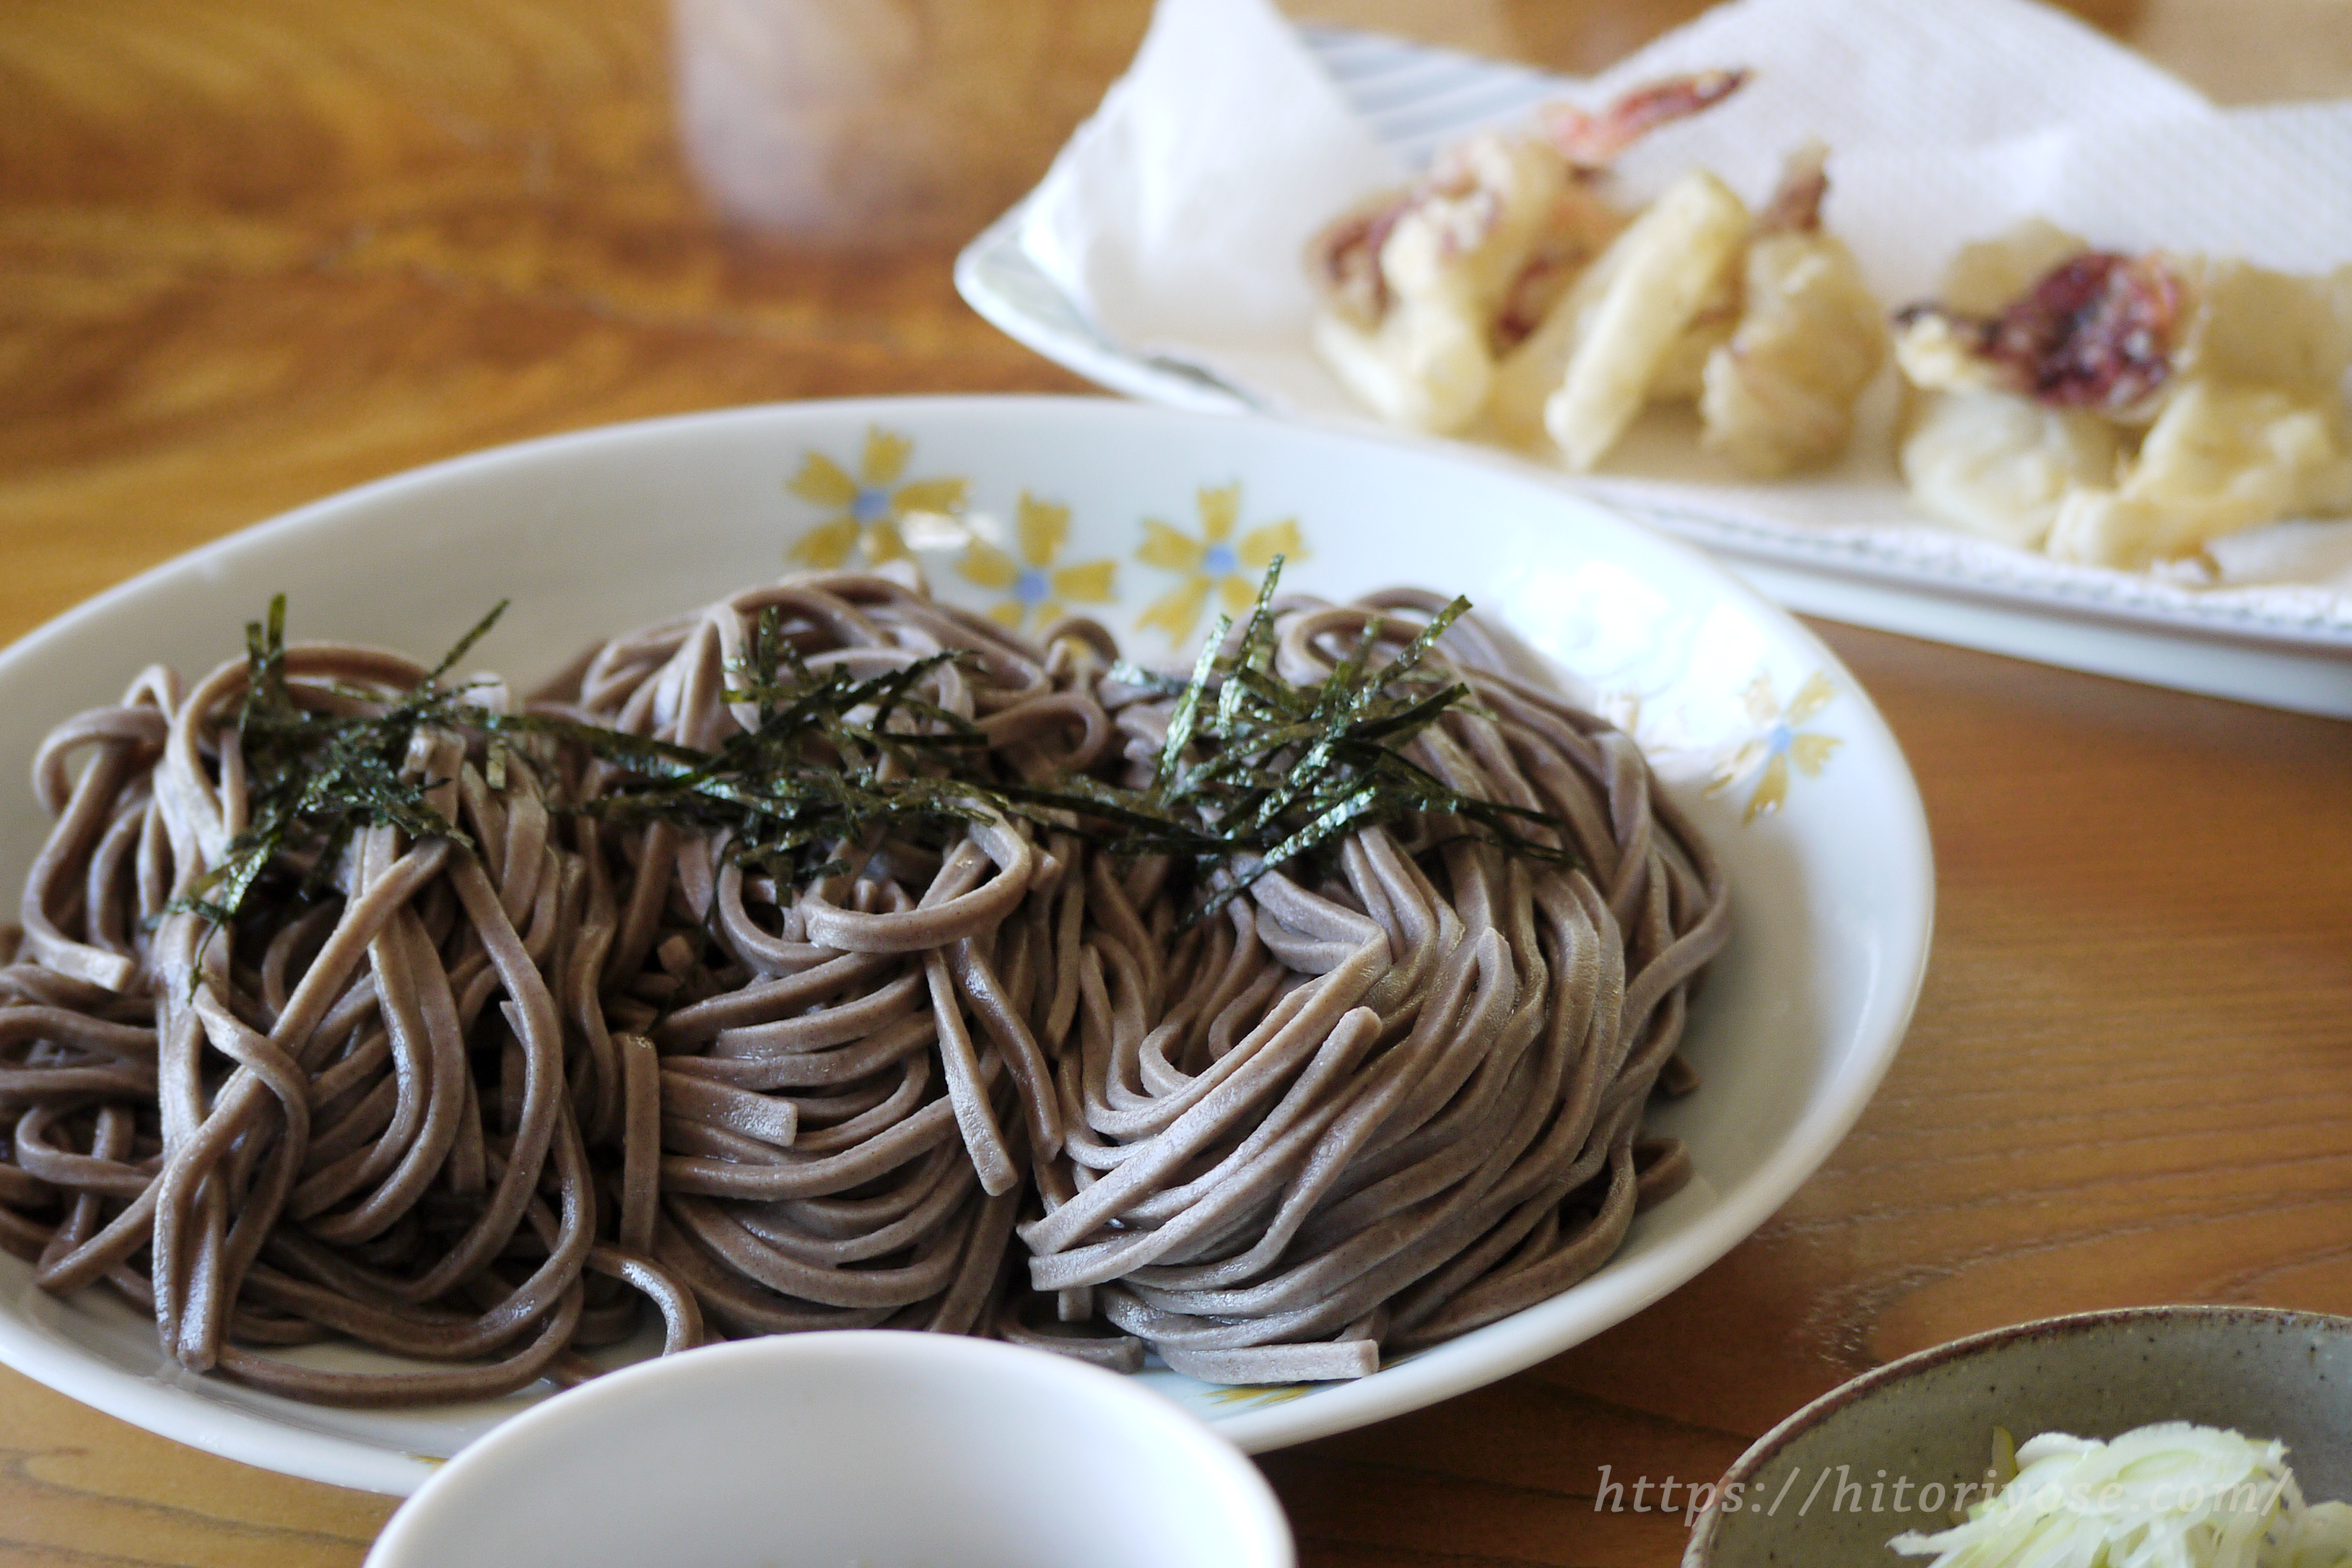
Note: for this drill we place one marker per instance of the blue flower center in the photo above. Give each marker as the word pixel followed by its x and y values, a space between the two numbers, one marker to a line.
pixel 871 506
pixel 1031 588
pixel 1219 561
pixel 1777 739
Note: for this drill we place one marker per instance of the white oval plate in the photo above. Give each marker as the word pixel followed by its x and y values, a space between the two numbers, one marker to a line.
pixel 1754 726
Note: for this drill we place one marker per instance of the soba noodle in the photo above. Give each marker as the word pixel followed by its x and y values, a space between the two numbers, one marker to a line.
pixel 472 1101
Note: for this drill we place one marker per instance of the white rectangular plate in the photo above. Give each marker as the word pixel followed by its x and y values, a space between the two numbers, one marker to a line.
pixel 2283 649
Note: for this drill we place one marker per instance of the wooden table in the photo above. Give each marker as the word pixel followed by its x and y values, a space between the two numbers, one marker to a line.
pixel 254 251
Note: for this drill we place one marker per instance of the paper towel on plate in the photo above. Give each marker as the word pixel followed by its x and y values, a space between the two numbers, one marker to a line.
pixel 1176 218
pixel 1220 145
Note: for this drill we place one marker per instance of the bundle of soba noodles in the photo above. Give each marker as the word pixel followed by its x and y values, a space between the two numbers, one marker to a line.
pixel 831 957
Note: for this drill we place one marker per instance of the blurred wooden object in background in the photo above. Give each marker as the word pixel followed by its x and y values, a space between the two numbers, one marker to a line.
pixel 869 124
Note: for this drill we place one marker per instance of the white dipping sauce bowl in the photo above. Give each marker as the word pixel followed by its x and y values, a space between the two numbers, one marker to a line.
pixel 855 1449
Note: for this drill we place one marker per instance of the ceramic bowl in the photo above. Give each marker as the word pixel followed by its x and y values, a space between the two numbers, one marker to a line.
pixel 1820 1489
pixel 1151 522
pixel 882 1450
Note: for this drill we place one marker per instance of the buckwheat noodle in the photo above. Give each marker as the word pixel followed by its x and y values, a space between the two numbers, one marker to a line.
pixel 477 1104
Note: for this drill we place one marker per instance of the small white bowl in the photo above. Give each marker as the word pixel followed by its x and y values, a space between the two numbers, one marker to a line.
pixel 847 1450
pixel 1821 1488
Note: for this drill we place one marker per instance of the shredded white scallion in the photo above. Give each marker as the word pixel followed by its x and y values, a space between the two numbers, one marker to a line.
pixel 2168 1496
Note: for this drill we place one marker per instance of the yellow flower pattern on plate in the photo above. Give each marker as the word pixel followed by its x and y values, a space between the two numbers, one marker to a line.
pixel 1217 561
pixel 1776 745
pixel 1037 593
pixel 1258 1395
pixel 872 504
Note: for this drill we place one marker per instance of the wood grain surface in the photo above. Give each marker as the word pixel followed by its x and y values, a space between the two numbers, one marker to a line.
pixel 253 251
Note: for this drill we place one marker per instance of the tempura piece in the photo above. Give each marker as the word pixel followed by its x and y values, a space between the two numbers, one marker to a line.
pixel 2001 465
pixel 1412 284
pixel 2219 460
pixel 1682 374
pixel 1424 288
pixel 1985 276
pixel 2219 387
pixel 1662 270
pixel 2041 314
pixel 1593 141
pixel 2098 331
pixel 1780 395
pixel 1533 369
pixel 1582 228
pixel 1502 284
pixel 1423 368
pixel 2260 328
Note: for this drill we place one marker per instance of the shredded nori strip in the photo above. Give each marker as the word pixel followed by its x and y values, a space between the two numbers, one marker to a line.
pixel 312 779
pixel 1254 771
pixel 1270 771
pixel 805 777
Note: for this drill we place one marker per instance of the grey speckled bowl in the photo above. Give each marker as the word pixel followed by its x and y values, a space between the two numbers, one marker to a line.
pixel 1819 1489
